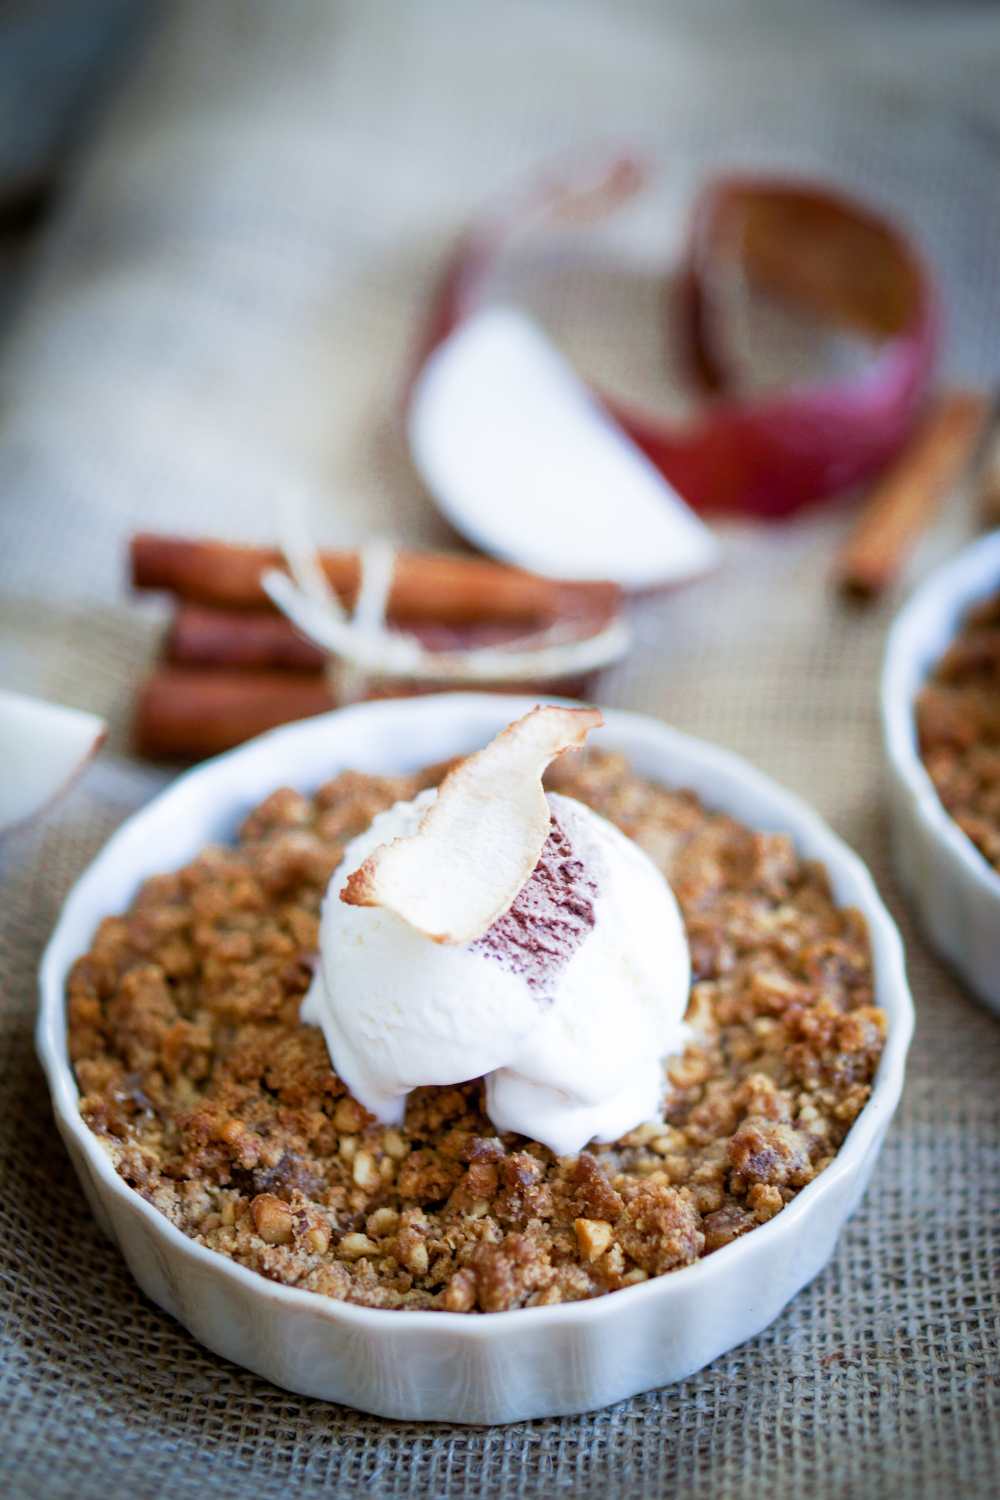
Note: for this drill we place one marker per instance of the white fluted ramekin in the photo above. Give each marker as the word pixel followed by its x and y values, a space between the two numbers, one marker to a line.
pixel 495 1367
pixel 955 891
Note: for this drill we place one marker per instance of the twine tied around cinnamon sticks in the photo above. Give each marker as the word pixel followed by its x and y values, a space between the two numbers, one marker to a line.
pixel 361 645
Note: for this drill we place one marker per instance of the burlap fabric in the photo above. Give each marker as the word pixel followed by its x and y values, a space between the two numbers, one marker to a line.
pixel 225 302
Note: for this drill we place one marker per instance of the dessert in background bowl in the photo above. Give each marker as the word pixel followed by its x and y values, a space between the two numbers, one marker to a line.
pixel 941 726
pixel 958 727
pixel 331 1246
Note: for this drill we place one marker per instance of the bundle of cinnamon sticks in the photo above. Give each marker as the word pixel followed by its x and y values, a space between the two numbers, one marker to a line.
pixel 233 667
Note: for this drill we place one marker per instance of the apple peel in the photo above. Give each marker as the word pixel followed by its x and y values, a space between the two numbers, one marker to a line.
pixel 44 747
pixel 768 455
pixel 480 839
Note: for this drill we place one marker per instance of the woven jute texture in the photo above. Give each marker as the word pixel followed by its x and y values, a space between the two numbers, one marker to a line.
pixel 223 308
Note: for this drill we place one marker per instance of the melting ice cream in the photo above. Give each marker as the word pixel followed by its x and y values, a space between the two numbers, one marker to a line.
pixel 488 930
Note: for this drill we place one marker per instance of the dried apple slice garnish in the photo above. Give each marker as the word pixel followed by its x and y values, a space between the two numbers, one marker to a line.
pixel 480 839
pixel 44 745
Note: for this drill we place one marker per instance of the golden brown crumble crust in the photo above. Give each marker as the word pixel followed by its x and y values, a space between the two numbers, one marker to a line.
pixel 958 721
pixel 221 1108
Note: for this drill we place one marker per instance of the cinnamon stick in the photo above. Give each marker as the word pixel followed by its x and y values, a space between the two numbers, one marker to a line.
pixel 201 636
pixel 186 713
pixel 904 501
pixel 989 482
pixel 426 586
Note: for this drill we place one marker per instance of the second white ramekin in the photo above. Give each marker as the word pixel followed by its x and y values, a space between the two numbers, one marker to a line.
pixel 955 891
pixel 494 1367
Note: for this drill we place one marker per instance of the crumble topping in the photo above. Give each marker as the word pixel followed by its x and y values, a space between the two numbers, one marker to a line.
pixel 221 1109
pixel 958 726
pixel 549 919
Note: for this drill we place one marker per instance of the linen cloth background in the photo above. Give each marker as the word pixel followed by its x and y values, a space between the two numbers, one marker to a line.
pixel 224 306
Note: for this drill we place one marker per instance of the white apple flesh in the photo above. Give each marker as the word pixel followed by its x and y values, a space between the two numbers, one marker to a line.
pixel 43 747
pixel 524 462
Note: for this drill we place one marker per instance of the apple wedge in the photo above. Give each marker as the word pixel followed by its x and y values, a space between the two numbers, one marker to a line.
pixel 527 465
pixel 43 747
pixel 480 839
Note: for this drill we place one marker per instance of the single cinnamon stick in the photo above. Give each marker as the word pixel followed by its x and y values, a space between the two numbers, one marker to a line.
pixel 905 499
pixel 201 636
pixel 186 713
pixel 426 586
pixel 989 482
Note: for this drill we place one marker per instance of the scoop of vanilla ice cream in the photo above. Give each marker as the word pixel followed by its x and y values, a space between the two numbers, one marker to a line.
pixel 567 1005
